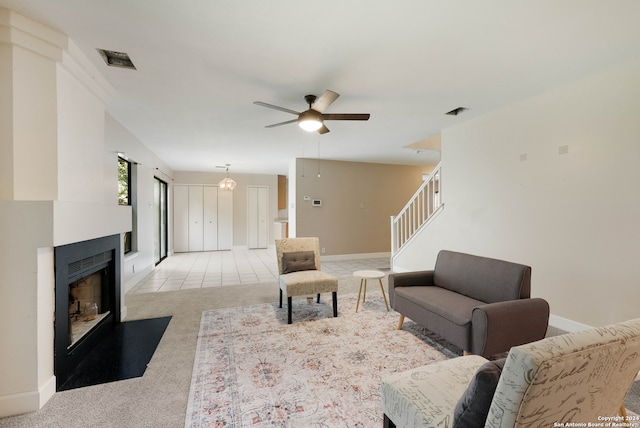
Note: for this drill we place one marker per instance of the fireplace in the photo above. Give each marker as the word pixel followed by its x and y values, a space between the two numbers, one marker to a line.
pixel 87 299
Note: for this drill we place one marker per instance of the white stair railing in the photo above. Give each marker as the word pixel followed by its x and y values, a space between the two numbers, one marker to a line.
pixel 422 206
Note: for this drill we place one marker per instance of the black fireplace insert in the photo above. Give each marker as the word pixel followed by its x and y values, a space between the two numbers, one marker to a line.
pixel 87 299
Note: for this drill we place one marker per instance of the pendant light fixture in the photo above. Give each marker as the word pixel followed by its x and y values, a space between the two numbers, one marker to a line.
pixel 227 183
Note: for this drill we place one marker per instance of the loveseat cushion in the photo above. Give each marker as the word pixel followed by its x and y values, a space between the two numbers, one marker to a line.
pixel 298 261
pixel 452 306
pixel 473 406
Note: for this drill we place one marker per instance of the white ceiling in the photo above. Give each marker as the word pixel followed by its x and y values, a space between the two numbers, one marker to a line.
pixel 202 63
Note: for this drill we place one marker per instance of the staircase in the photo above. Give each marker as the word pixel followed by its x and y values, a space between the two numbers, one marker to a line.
pixel 419 211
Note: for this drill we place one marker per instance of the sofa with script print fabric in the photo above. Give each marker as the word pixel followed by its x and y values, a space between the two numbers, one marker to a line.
pixel 574 379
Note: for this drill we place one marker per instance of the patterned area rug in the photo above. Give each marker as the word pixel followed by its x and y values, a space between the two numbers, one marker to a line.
pixel 251 369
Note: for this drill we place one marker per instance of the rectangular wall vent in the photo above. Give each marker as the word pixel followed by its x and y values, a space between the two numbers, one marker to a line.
pixel 457 111
pixel 116 59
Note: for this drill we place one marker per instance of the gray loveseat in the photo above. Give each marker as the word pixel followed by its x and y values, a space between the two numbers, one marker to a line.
pixel 478 304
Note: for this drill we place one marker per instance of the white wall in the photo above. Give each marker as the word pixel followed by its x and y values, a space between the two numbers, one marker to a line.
pixel 119 140
pixel 26 375
pixel 61 188
pixel 80 149
pixel 6 121
pixel 574 217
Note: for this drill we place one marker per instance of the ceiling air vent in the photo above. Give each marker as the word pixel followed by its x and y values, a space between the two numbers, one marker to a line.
pixel 116 59
pixel 457 111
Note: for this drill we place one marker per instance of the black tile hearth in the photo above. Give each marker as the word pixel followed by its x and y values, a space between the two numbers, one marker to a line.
pixel 123 354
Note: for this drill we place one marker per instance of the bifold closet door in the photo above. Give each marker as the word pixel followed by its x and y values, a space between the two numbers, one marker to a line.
pixel 225 219
pixel 210 212
pixel 196 218
pixel 202 218
pixel 258 217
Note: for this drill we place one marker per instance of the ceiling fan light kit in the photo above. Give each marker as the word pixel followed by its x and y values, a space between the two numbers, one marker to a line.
pixel 310 120
pixel 313 119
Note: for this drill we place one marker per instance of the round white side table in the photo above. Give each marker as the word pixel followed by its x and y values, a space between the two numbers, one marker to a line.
pixel 369 274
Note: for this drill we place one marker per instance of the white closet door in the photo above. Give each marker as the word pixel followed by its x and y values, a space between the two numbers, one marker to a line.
pixel 258 217
pixel 180 219
pixel 196 230
pixel 263 217
pixel 210 204
pixel 225 219
pixel 252 217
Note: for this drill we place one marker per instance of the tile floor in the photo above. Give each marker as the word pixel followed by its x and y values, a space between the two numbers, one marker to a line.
pixel 239 266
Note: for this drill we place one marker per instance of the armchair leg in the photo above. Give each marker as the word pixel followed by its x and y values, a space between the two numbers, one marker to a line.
pixel 623 412
pixel 281 297
pixel 289 304
pixel 318 297
pixel 334 295
pixel 400 322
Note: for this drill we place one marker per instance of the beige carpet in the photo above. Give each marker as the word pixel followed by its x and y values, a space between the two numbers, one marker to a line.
pixel 159 398
pixel 254 370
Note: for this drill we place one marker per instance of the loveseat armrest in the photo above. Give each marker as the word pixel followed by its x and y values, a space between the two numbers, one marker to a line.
pixel 496 327
pixel 408 279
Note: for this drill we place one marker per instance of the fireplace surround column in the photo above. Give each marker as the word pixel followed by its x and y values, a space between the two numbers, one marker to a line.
pixel 57 186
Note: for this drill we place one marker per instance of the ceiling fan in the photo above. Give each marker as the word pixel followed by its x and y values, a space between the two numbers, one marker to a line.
pixel 313 119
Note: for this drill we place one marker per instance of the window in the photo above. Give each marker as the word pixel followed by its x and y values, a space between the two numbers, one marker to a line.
pixel 124 181
pixel 160 234
pixel 126 197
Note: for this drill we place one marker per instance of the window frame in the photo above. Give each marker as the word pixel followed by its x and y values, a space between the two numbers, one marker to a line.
pixel 129 200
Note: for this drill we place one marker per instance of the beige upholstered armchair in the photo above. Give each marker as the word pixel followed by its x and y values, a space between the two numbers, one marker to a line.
pixel 300 274
pixel 577 378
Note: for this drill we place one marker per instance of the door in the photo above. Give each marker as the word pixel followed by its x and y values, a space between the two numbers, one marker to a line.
pixel 258 217
pixel 203 218
pixel 210 212
pixel 225 219
pixel 160 232
pixel 196 215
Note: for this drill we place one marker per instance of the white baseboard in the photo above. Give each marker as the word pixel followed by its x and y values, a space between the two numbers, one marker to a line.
pixel 47 391
pixel 399 269
pixel 246 248
pixel 566 324
pixel 27 402
pixel 139 276
pixel 339 257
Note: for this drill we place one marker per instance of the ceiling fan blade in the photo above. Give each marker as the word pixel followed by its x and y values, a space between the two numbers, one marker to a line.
pixel 323 129
pixel 282 123
pixel 286 110
pixel 325 100
pixel 346 116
